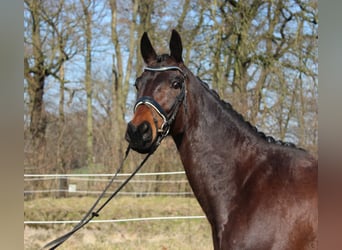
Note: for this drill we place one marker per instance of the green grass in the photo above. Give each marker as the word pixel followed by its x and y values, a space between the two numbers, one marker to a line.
pixel 160 234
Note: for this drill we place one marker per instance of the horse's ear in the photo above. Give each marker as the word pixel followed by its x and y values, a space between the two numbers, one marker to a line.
pixel 147 51
pixel 176 47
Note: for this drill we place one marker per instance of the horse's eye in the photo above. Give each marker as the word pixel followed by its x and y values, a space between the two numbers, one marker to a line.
pixel 176 84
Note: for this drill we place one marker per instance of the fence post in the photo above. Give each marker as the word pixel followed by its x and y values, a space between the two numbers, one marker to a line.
pixel 63 187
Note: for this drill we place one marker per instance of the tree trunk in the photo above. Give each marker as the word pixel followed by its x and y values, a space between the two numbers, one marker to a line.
pixel 88 82
pixel 61 163
pixel 145 10
pixel 35 77
pixel 117 78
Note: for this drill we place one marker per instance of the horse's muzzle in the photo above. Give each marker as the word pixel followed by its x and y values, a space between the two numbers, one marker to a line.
pixel 139 137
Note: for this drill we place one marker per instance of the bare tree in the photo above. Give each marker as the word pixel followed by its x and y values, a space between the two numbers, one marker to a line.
pixel 121 74
pixel 258 51
pixel 47 47
pixel 87 27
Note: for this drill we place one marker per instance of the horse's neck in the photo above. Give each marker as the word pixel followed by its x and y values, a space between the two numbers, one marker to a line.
pixel 213 129
pixel 213 147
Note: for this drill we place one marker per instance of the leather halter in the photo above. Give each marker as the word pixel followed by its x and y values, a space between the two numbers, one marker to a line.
pixel 150 102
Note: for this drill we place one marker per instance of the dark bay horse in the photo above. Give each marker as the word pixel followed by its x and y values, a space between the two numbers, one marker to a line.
pixel 257 193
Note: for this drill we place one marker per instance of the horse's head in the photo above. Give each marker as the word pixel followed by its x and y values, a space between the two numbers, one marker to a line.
pixel 160 92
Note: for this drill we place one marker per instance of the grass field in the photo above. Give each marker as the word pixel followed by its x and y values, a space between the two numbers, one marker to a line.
pixel 159 234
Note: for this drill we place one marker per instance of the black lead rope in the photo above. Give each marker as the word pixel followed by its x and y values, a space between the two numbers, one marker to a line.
pixel 165 130
pixel 91 213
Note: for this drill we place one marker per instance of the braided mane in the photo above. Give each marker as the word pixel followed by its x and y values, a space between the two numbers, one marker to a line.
pixel 227 106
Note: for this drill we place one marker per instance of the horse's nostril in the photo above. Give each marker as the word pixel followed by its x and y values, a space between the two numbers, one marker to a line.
pixel 144 127
pixel 145 131
pixel 131 130
pixel 139 134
